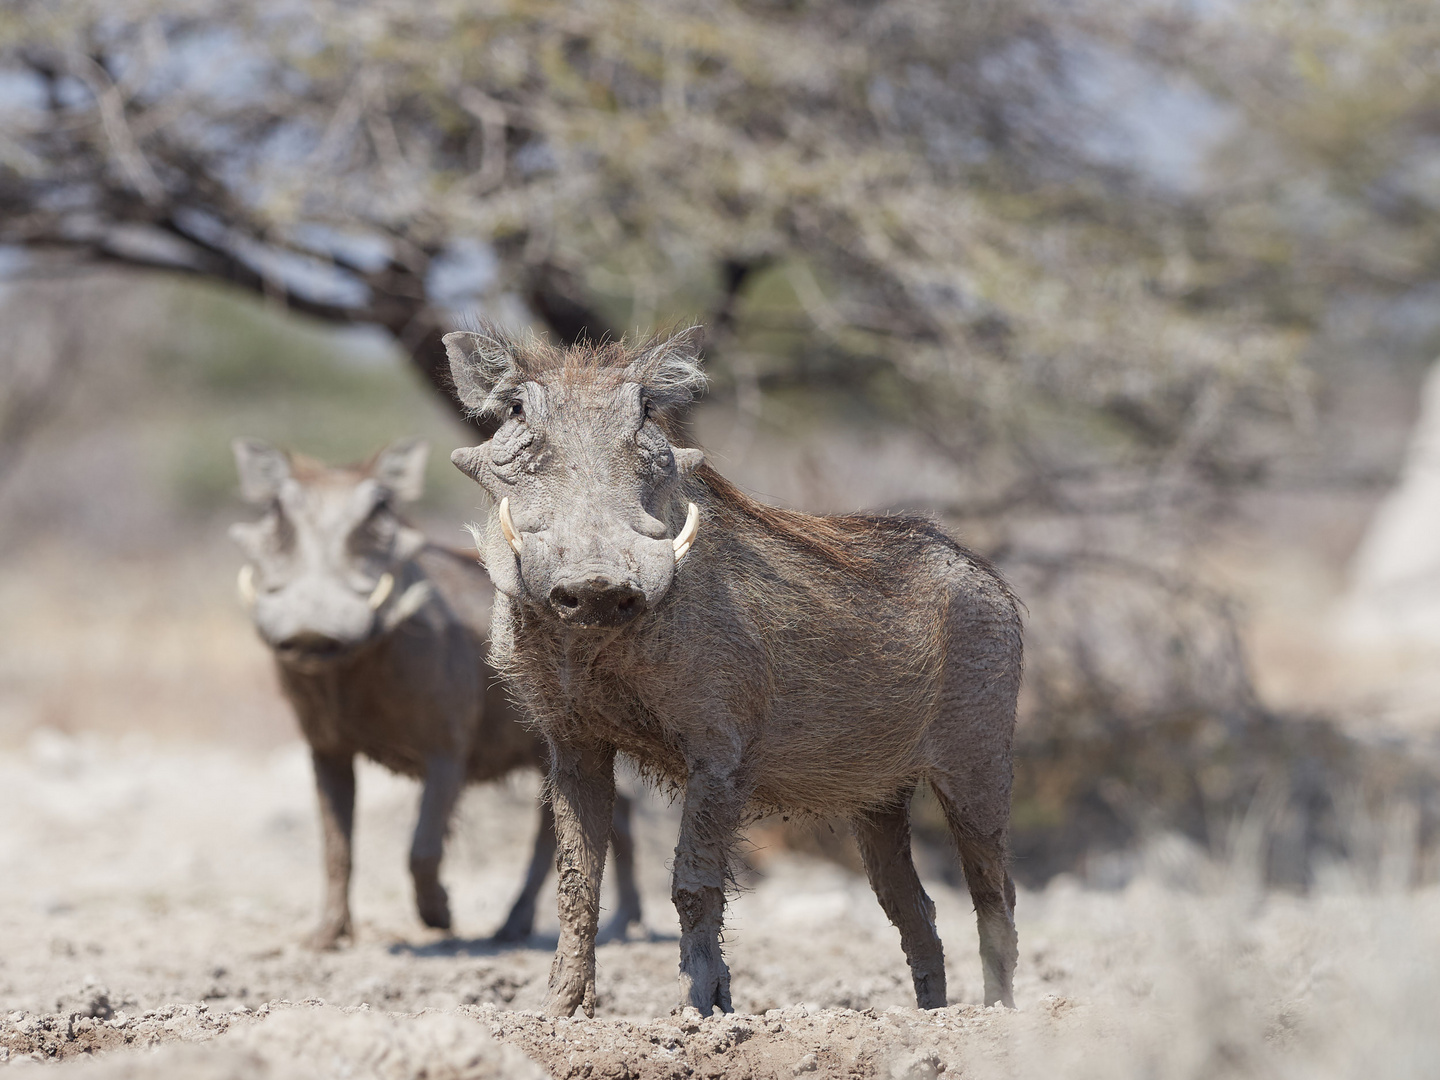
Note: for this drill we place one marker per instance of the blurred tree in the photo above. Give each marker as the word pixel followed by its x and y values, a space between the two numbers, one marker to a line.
pixel 1079 246
pixel 920 170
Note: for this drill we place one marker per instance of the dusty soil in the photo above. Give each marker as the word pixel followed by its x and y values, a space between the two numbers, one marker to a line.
pixel 153 897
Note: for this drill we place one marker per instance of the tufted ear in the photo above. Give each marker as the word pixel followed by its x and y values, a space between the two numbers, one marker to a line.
pixel 262 469
pixel 480 361
pixel 669 368
pixel 401 468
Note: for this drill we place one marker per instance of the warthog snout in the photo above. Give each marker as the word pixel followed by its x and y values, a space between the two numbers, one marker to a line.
pixel 311 646
pixel 596 602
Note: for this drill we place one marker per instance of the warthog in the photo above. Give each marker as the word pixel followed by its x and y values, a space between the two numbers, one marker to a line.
pixel 378 637
pixel 758 658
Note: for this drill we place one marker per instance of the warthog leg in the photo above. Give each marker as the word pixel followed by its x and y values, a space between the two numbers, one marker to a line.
pixel 521 920
pixel 984 860
pixel 444 779
pixel 708 820
pixel 335 784
pixel 582 791
pixel 884 839
pixel 622 842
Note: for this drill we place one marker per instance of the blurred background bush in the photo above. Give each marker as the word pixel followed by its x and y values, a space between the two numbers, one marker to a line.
pixel 1140 298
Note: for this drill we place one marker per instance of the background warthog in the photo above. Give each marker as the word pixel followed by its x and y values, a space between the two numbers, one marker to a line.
pixel 378 636
pixel 761 658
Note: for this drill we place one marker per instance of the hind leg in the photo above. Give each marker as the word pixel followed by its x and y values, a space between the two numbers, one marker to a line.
pixel 444 780
pixel 622 842
pixel 521 920
pixel 984 859
pixel 709 816
pixel 884 839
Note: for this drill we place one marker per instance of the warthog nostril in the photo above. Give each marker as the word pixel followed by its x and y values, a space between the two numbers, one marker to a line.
pixel 596 602
pixel 308 643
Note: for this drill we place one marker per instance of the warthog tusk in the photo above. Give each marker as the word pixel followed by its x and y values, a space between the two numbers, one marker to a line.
pixel 687 534
pixel 507 526
pixel 411 601
pixel 382 591
pixel 245 586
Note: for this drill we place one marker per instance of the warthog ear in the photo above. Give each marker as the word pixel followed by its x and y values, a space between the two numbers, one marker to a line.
pixel 479 362
pixel 669 368
pixel 400 467
pixel 262 469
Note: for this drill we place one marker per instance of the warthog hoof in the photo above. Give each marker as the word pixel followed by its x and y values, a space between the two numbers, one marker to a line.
pixel 571 986
pixel 329 934
pixel 930 989
pixel 434 907
pixel 430 897
pixel 706 987
pixel 516 928
pixel 617 929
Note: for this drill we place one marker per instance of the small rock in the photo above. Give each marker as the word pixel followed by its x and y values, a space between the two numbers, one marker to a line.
pixel 808 1063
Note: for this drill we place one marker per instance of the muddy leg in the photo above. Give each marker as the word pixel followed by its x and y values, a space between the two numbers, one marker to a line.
pixel 521 920
pixel 985 859
pixel 444 779
pixel 335 783
pixel 622 842
pixel 884 839
pixel 708 820
pixel 582 792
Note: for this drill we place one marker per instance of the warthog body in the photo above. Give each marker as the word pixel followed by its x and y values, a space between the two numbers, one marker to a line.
pixel 378 637
pixel 758 658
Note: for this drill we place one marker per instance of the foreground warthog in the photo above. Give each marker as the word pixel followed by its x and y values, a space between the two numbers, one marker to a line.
pixel 759 658
pixel 378 636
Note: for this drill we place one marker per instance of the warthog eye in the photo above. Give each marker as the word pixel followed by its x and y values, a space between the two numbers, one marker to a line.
pixel 517 409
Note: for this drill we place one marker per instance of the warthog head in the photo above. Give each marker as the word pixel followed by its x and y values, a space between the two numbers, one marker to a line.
pixel 320 580
pixel 591 518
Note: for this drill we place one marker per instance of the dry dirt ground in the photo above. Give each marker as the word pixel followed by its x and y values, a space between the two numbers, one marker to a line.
pixel 153 896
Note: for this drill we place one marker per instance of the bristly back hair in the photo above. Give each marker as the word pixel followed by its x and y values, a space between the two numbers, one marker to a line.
pixel 846 542
pixel 493 363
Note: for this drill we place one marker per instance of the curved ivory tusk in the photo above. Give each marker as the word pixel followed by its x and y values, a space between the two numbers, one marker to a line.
pixel 507 526
pixel 382 590
pixel 687 534
pixel 411 601
pixel 245 586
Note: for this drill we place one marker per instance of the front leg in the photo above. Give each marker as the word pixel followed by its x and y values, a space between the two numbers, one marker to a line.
pixel 582 792
pixel 714 801
pixel 335 784
pixel 444 780
pixel 521 920
pixel 622 842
